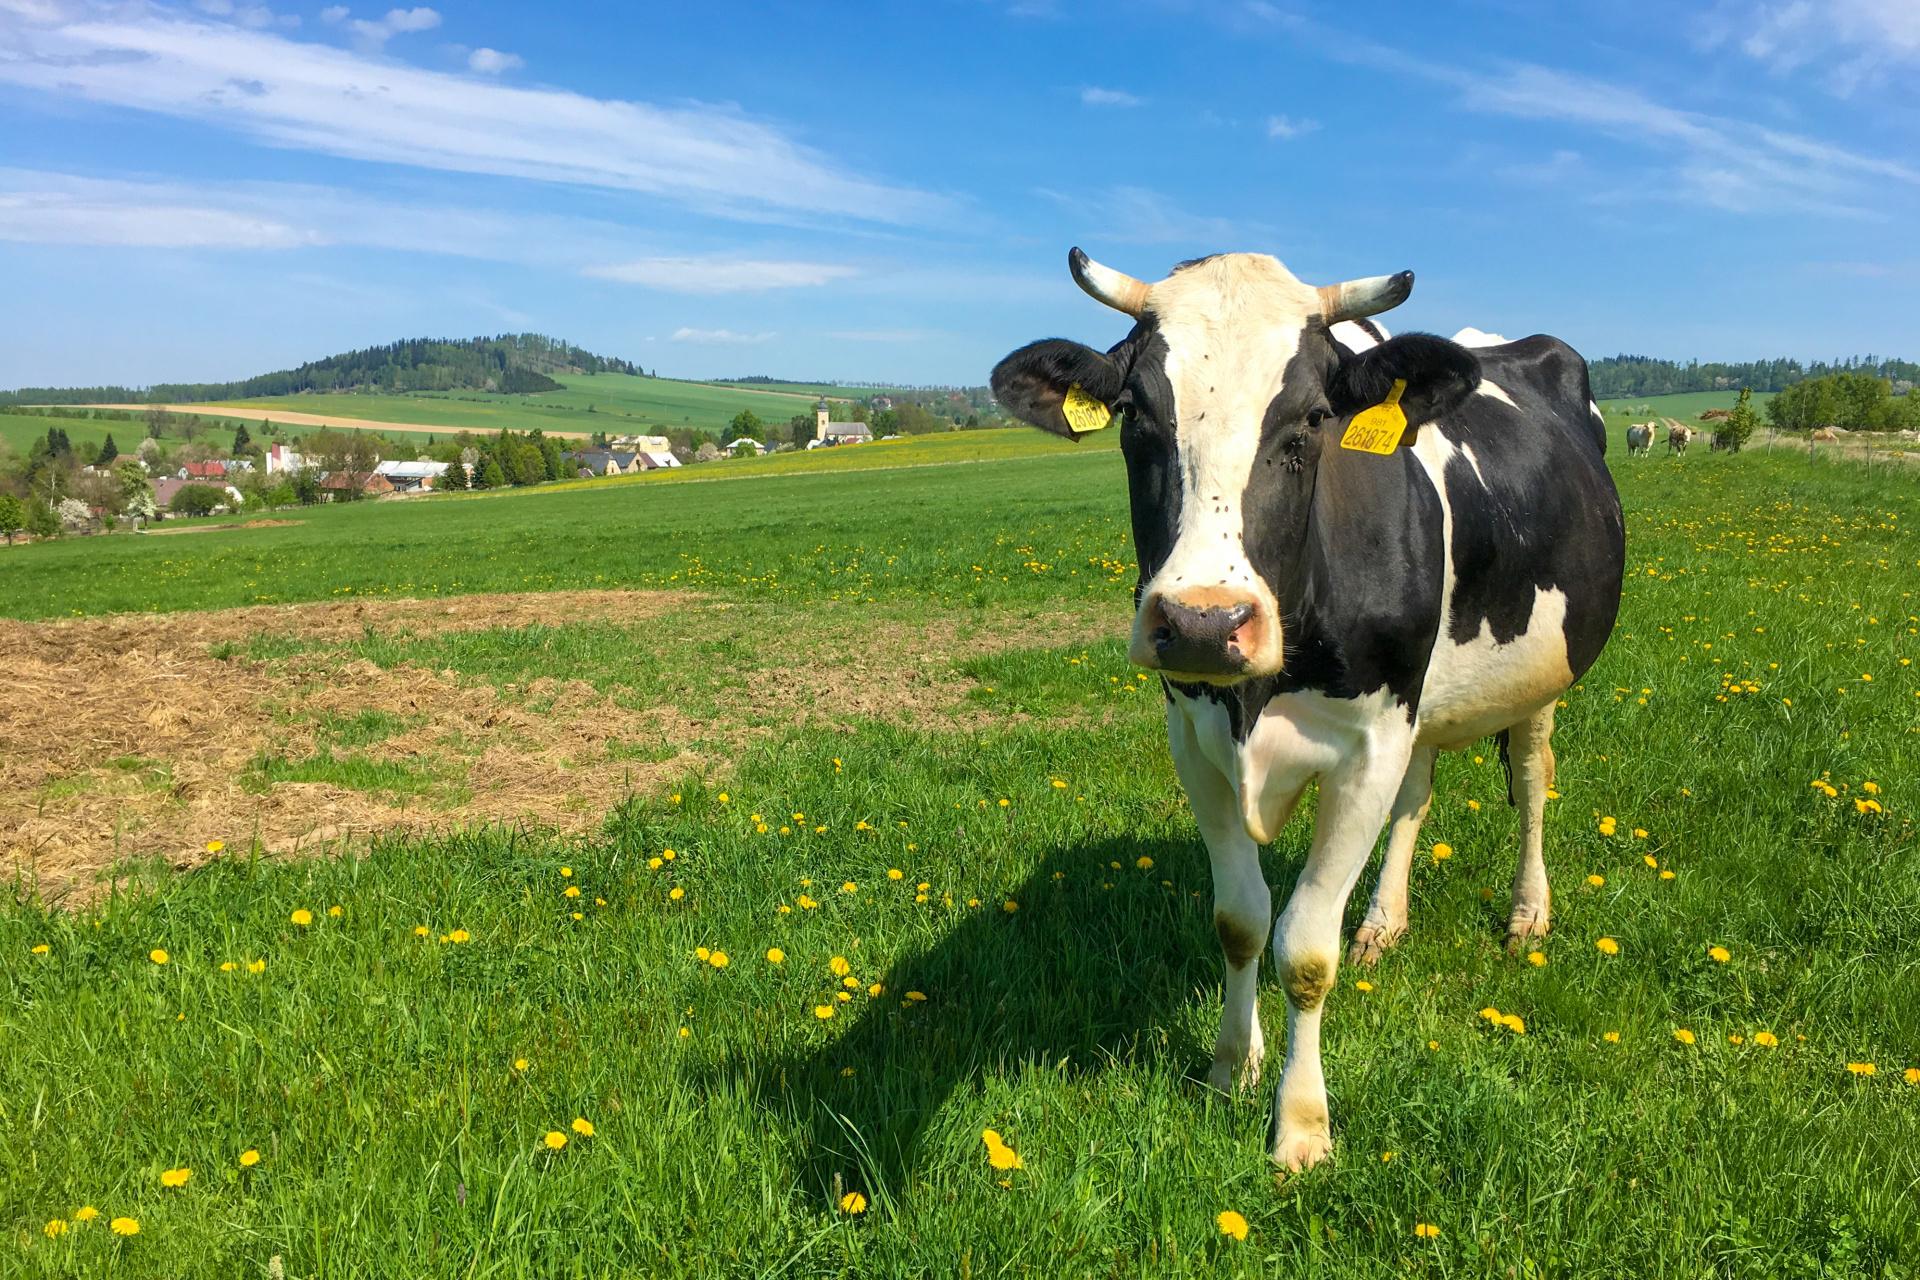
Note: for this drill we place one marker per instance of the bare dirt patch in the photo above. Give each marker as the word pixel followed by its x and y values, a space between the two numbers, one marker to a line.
pixel 145 734
pixel 220 528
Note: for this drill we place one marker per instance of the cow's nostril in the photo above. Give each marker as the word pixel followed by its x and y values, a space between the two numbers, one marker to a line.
pixel 1238 615
pixel 1162 637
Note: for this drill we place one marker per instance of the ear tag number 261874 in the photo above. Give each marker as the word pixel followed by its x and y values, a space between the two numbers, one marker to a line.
pixel 1378 429
pixel 1083 413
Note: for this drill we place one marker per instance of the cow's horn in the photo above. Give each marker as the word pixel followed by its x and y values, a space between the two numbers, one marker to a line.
pixel 1369 297
pixel 1103 284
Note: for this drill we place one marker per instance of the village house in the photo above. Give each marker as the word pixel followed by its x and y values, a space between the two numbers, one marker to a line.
pixel 828 432
pixel 412 477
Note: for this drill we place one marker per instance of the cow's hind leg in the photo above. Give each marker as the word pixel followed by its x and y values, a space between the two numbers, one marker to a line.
pixel 1529 774
pixel 1242 905
pixel 1354 801
pixel 1386 920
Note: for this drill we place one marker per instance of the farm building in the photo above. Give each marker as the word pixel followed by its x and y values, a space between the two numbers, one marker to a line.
pixel 335 483
pixel 412 477
pixel 587 463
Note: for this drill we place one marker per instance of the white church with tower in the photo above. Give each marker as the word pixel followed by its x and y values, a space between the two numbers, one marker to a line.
pixel 826 431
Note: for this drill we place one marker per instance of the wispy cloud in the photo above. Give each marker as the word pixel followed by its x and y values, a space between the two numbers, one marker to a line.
pixel 718 274
pixel 317 98
pixel 1287 128
pixel 1137 215
pixel 491 62
pixel 377 31
pixel 1846 44
pixel 1096 96
pixel 720 337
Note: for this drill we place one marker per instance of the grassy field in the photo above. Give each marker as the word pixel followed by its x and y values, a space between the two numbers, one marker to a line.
pixel 827 960
pixel 611 402
pixel 1686 406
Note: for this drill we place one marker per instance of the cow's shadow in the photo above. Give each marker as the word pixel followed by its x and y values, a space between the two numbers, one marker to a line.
pixel 1079 977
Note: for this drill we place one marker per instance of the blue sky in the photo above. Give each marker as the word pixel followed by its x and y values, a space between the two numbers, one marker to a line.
pixel 213 188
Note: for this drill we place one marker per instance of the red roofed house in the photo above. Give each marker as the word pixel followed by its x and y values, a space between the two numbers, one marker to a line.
pixel 203 471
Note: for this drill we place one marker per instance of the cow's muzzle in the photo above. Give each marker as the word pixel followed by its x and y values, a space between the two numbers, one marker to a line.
pixel 1211 639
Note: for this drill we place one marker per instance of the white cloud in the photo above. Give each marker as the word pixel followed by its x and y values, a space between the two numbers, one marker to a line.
pixel 317 98
pixel 1096 96
pixel 55 217
pixel 417 19
pixel 492 62
pixel 1852 42
pixel 1287 128
pixel 334 14
pixel 720 337
pixel 720 274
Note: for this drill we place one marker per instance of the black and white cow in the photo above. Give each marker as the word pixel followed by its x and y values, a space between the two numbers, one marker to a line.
pixel 1320 613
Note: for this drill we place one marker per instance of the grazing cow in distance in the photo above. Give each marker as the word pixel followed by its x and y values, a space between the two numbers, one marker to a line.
pixel 1825 435
pixel 1349 561
pixel 1639 439
pixel 1678 437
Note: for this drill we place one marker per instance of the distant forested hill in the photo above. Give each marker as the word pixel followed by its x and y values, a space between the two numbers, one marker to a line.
pixel 509 363
pixel 1623 375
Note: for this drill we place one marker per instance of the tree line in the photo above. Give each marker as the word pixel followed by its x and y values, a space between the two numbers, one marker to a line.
pixel 1856 401
pixel 516 363
pixel 1616 377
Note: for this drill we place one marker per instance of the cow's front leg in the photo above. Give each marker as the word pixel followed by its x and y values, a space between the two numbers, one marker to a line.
pixel 1386 921
pixel 1242 904
pixel 1354 800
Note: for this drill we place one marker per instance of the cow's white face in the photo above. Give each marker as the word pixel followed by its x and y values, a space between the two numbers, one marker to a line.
pixel 1232 326
pixel 1223 386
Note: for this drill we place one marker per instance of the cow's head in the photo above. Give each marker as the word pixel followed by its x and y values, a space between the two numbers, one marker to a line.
pixel 1228 389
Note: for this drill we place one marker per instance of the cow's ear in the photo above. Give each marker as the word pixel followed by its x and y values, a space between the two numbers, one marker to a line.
pixel 1059 386
pixel 1439 376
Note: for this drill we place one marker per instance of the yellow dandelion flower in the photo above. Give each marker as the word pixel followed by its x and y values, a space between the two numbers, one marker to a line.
pixel 1490 1013
pixel 571 891
pixel 40 948
pixel 895 873
pixel 228 966
pixel 873 992
pixel 839 966
pixel 1474 805
pixel 1666 875
pixel 849 887
pixel 1231 1224
pixel 335 912
pixel 1650 860
pixel 1514 1023
pixel 175 1177
pixel 723 797
pixel 125 1226
pixel 823 1011
pixel 701 954
pixel 158 956
pixel 853 1203
pixel 1433 1045
pixel 566 872
pixel 519 1064
pixel 421 931
pixel 842 997
pixel 459 935
pixel 850 982
pixel 1607 946
pixel 1862 1068
pixel 776 956
pixel 806 903
pixel 1736 1039
pixel 215 846
pixel 1426 1231
pixel 917 997
pixel 1009 906
pixel 1536 958
pixel 1639 833
pixel 249 1158
pixel 676 893
pixel 85 1213
pixel 1719 955
pixel 1596 880
pixel 582 1126
pixel 685 1032
pixel 999 1154
pixel 1766 1039
pixel 1683 1035
pixel 654 864
pixel 578 915
pixel 1363 985
pixel 1911 1075
pixel 719 960
pixel 1871 788
pixel 668 854
pixel 1611 1037
pixel 1143 862
pixel 555 1140
pixel 55 1228
pixel 301 916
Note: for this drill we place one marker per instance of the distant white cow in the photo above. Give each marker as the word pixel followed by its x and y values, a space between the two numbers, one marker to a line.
pixel 1639 439
pixel 1678 437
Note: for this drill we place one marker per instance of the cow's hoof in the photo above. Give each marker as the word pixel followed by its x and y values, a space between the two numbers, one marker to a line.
pixel 1223 1075
pixel 1298 1151
pixel 1522 926
pixel 1370 942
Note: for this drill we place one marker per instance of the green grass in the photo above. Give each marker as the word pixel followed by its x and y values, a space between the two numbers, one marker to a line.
pixel 374 1070
pixel 612 402
pixel 1686 406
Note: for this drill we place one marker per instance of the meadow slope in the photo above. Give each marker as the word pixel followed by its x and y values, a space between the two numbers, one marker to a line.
pixel 830 930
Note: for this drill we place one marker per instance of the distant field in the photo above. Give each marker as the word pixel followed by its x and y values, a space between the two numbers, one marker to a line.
pixel 1686 406
pixel 610 402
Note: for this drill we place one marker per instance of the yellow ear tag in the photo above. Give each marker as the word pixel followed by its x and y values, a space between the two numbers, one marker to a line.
pixel 1378 429
pixel 1083 412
